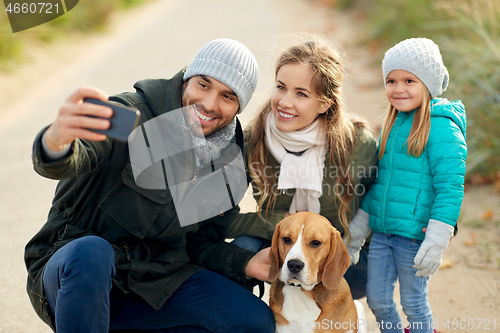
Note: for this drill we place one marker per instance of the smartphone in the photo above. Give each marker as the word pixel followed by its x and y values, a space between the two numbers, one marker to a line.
pixel 123 121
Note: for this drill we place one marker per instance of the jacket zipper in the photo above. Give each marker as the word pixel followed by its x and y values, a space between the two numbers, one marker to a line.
pixel 386 187
pixel 126 249
pixel 42 300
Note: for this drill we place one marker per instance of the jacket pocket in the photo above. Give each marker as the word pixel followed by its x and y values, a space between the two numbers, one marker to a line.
pixel 42 309
pixel 70 233
pixel 37 295
pixel 420 214
pixel 133 207
pixel 417 199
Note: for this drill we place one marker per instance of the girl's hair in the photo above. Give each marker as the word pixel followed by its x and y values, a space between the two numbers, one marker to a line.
pixel 419 133
pixel 338 127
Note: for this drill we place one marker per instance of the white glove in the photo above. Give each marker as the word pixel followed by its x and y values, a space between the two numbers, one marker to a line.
pixel 430 254
pixel 359 229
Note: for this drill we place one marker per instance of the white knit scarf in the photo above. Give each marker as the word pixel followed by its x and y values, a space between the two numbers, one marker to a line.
pixel 304 172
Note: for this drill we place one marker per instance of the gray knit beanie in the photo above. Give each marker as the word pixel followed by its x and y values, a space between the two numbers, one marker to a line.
pixel 421 57
pixel 229 62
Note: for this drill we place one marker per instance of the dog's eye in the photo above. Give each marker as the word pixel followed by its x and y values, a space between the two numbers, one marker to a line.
pixel 287 240
pixel 315 243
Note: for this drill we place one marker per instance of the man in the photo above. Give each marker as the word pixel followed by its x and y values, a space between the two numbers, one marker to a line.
pixel 112 255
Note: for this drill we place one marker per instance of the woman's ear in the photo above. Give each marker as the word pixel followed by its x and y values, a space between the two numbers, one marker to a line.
pixel 325 106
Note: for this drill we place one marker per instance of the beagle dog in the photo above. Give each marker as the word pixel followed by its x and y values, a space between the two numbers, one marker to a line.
pixel 308 290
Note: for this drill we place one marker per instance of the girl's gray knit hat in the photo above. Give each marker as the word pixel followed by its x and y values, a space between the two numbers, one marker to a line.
pixel 229 62
pixel 421 57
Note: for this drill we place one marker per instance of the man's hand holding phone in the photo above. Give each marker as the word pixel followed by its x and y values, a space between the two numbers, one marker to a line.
pixel 80 119
pixel 72 121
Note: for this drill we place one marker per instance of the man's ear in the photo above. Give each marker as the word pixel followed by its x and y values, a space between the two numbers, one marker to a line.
pixel 185 84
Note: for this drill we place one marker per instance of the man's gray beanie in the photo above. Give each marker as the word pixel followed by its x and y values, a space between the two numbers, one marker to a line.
pixel 421 57
pixel 229 62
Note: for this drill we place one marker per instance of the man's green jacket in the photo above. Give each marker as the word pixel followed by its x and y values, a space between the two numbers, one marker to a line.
pixel 97 195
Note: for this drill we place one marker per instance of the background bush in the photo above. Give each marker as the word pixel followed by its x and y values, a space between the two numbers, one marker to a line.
pixel 87 16
pixel 467 32
pixel 468 35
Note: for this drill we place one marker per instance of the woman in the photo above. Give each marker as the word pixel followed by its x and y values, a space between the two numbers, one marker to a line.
pixel 304 152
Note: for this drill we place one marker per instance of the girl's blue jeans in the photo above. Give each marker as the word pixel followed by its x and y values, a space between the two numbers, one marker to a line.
pixel 78 286
pixel 391 258
pixel 355 275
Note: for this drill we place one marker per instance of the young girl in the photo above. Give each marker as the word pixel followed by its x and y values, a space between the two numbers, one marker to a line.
pixel 304 153
pixel 414 204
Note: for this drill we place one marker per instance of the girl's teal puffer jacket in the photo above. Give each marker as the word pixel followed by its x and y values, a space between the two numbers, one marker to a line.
pixel 409 191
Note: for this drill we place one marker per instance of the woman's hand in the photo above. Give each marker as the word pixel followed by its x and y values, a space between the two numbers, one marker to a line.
pixel 258 267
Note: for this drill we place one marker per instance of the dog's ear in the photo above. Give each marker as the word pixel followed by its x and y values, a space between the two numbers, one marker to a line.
pixel 274 255
pixel 337 262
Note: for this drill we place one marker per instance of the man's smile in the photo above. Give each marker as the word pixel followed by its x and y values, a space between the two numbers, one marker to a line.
pixel 203 117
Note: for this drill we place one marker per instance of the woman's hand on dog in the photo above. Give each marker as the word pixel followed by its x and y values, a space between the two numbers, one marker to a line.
pixel 258 267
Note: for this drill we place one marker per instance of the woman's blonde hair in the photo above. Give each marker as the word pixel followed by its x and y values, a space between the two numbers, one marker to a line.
pixel 327 65
pixel 419 133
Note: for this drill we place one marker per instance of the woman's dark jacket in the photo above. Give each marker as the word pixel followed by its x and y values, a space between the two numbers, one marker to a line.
pixel 363 169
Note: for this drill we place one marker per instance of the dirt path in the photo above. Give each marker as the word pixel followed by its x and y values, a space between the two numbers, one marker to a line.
pixel 158 39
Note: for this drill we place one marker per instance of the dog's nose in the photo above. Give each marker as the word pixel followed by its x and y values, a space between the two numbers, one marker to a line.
pixel 295 265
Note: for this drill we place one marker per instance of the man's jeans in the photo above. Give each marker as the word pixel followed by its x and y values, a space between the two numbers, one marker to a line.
pixel 355 275
pixel 78 285
pixel 391 258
